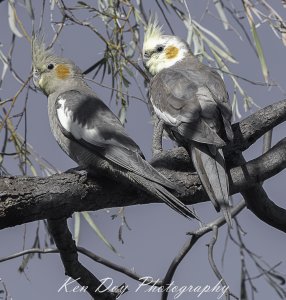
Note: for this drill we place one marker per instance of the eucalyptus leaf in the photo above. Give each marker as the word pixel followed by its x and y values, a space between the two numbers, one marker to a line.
pixel 212 35
pixel 257 42
pixel 97 231
pixel 260 53
pixel 76 227
pixel 221 13
pixel 218 50
pixel 5 66
pixel 12 18
pixel 122 114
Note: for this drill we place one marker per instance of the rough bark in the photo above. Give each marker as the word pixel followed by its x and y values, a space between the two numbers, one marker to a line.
pixel 26 199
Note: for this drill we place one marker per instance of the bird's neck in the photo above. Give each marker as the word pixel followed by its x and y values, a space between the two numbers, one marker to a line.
pixel 66 85
pixel 157 66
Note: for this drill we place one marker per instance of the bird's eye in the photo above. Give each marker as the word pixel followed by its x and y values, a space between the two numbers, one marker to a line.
pixel 50 66
pixel 160 49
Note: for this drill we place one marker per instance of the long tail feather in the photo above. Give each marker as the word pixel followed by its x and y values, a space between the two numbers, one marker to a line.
pixel 210 166
pixel 163 194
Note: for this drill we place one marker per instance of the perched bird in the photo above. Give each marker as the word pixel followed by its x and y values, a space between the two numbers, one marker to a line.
pixel 191 100
pixel 88 131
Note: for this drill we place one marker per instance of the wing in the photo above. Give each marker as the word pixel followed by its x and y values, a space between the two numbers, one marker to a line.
pixel 87 120
pixel 218 90
pixel 193 101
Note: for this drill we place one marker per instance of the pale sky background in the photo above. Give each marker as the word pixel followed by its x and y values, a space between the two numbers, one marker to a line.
pixel 157 232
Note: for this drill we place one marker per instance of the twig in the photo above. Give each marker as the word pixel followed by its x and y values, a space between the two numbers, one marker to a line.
pixel 195 236
pixel 212 262
pixel 89 254
pixel 114 89
pixel 175 263
pixel 13 101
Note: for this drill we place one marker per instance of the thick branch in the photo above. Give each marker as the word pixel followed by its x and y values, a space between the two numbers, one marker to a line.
pixel 257 170
pixel 259 203
pixel 255 126
pixel 73 268
pixel 26 199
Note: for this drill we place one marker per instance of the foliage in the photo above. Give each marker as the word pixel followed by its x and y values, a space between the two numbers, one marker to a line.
pixel 119 26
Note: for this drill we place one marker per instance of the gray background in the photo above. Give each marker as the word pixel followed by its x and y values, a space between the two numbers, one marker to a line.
pixel 157 232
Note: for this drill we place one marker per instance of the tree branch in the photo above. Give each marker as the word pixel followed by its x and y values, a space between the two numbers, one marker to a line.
pixel 128 272
pixel 195 236
pixel 73 268
pixel 212 261
pixel 26 199
pixel 258 201
pixel 249 130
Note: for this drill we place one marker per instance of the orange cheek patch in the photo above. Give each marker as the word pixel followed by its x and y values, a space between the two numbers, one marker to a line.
pixel 171 52
pixel 62 71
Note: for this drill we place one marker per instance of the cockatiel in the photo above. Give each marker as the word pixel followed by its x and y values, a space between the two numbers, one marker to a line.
pixel 89 133
pixel 192 101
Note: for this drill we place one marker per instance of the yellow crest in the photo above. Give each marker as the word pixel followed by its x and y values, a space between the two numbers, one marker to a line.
pixel 153 29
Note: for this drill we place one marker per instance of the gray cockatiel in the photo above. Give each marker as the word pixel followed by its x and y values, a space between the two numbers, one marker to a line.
pixel 191 100
pixel 90 133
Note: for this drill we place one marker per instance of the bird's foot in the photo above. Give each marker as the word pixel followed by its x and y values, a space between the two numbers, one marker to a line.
pixel 78 171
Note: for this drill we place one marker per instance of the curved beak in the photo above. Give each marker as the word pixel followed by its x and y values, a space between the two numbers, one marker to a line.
pixel 146 55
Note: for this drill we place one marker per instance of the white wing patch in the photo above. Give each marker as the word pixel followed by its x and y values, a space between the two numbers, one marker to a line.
pixel 66 118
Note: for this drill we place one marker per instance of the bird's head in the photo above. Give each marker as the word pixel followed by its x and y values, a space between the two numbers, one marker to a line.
pixel 51 72
pixel 162 51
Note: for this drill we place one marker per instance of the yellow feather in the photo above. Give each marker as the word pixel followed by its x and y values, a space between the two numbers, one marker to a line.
pixel 62 71
pixel 153 30
pixel 171 52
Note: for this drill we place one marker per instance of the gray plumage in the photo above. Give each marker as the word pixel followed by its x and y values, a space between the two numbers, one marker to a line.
pixel 192 100
pixel 103 145
pixel 90 133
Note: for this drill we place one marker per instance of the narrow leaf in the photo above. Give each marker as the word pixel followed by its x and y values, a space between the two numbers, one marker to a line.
pixel 218 50
pixel 12 18
pixel 122 115
pixel 52 4
pixel 97 230
pixel 76 227
pixel 125 81
pixel 33 170
pixel 221 13
pixel 260 52
pixel 237 112
pixel 5 66
pixel 82 3
pixel 212 35
pixel 256 41
pixel 190 29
